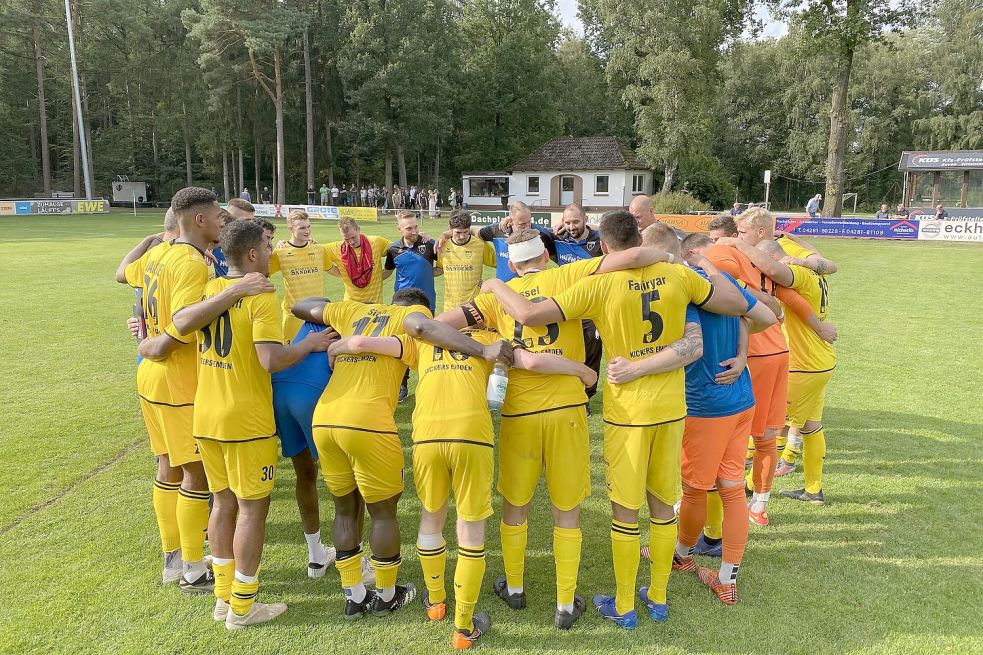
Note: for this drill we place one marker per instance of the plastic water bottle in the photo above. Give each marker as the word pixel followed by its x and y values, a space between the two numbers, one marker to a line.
pixel 498 383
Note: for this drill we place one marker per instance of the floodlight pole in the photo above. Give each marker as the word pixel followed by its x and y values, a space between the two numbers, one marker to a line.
pixel 83 146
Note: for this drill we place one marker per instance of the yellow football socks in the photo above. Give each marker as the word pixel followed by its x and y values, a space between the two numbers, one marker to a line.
pixel 514 552
pixel 625 542
pixel 813 454
pixel 224 571
pixel 433 561
pixel 192 520
pixel 350 568
pixel 662 543
pixel 244 590
pixel 165 507
pixel 467 585
pixel 386 571
pixel 714 527
pixel 566 552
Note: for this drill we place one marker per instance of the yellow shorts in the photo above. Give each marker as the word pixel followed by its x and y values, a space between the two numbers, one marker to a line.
pixel 806 397
pixel 291 326
pixel 170 430
pixel 371 462
pixel 465 467
pixel 247 468
pixel 640 459
pixel 556 441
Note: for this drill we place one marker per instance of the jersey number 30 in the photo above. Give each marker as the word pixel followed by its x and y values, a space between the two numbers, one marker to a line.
pixel 219 335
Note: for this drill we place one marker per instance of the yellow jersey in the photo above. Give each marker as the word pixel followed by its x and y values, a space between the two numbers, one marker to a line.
pixel 235 397
pixel 807 352
pixel 530 392
pixel 172 276
pixel 438 416
pixel 372 292
pixel 638 313
pixel 463 269
pixel 361 394
pixel 791 248
pixel 303 269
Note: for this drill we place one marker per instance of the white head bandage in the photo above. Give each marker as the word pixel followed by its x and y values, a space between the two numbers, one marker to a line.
pixel 526 250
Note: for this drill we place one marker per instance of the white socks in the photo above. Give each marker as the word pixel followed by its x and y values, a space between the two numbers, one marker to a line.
pixel 386 594
pixel 316 552
pixel 357 593
pixel 728 573
pixel 683 551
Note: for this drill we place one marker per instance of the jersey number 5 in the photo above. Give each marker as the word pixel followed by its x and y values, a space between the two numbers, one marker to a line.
pixel 653 317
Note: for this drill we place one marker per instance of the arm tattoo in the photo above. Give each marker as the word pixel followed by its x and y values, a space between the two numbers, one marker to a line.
pixel 821 266
pixel 689 344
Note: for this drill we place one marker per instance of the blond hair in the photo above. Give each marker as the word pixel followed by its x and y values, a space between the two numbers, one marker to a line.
pixel 757 217
pixel 347 222
pixel 405 214
pixel 297 215
pixel 660 235
pixel 518 207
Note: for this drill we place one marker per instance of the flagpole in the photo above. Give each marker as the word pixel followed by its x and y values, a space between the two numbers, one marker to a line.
pixel 83 146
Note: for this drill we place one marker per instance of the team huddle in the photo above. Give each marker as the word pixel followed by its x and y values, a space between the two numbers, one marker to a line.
pixel 719 355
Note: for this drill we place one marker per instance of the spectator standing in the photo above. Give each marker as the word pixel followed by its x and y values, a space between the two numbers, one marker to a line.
pixel 334 195
pixel 452 198
pixel 265 196
pixel 940 213
pixel 311 195
pixel 397 198
pixel 883 212
pixel 812 207
pixel 248 198
pixel 364 195
pixel 325 193
pixel 432 197
pixel 736 209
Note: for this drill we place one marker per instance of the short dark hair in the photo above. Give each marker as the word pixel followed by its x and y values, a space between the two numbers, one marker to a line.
pixel 723 222
pixel 225 217
pixel 460 219
pixel 410 296
pixel 243 205
pixel 238 238
pixel 696 240
pixel 192 197
pixel 619 230
pixel 263 223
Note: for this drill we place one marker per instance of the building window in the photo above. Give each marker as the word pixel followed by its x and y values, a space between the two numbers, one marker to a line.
pixel 600 184
pixel 487 187
pixel 533 183
pixel 638 184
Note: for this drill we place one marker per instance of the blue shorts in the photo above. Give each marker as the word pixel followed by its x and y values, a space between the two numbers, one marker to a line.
pixel 293 410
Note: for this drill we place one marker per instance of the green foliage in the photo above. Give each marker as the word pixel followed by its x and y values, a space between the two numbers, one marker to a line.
pixel 677 202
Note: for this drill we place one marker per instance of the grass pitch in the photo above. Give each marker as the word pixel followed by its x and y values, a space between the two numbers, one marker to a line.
pixel 893 564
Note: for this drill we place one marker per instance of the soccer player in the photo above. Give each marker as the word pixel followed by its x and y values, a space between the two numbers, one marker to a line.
pixel 172 277
pixel 413 258
pixel 358 447
pixel 576 241
pixel 811 365
pixel 303 264
pixel 234 426
pixel 722 225
pixel 638 312
pixel 720 407
pixel 462 258
pixel 241 210
pixel 357 260
pixel 519 218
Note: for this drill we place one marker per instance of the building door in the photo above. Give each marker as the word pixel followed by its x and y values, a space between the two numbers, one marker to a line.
pixel 566 190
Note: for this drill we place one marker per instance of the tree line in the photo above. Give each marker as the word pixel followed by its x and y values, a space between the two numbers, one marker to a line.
pixel 293 93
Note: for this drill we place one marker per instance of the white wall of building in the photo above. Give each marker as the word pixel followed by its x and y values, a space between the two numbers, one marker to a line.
pixel 619 188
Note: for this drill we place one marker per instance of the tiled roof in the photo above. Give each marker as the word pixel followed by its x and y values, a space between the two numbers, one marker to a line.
pixel 581 154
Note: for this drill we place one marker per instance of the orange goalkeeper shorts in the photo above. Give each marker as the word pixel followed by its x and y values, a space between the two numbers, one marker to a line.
pixel 769 380
pixel 714 448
